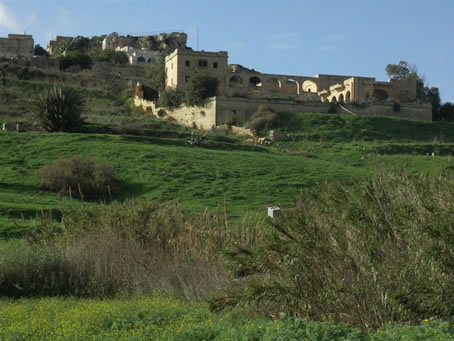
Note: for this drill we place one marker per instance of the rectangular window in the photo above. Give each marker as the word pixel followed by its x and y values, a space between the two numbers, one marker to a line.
pixel 171 66
pixel 215 65
pixel 188 63
pixel 203 63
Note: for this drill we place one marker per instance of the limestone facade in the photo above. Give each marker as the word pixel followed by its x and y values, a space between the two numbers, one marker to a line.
pixel 17 46
pixel 181 65
pixel 55 42
pixel 222 109
pixel 238 81
pixel 138 56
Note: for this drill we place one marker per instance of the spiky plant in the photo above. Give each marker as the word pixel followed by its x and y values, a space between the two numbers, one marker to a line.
pixel 59 109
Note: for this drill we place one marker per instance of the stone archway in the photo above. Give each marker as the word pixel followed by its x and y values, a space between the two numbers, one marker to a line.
pixel 347 97
pixel 141 60
pixel 341 98
pixel 309 86
pixel 292 87
pixel 254 81
pixel 380 95
pixel 273 84
pixel 236 82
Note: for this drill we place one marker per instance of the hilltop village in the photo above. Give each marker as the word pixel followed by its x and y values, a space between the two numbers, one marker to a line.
pixel 241 90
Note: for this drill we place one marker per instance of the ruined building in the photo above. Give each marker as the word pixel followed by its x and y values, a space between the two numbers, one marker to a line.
pixel 238 81
pixel 145 49
pixel 17 46
pixel 242 91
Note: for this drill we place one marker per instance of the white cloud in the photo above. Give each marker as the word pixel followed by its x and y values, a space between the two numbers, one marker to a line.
pixel 8 20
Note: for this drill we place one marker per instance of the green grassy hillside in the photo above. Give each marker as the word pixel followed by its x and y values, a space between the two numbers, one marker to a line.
pixel 162 169
pixel 224 172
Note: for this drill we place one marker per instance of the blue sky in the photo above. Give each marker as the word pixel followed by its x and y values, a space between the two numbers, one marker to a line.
pixel 294 37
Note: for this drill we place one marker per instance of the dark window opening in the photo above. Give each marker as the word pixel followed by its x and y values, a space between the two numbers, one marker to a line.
pixel 203 63
pixel 215 65
pixel 188 63
pixel 186 79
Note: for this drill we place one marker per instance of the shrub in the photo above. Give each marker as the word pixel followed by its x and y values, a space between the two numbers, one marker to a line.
pixel 396 106
pixel 39 51
pixel 133 247
pixel 380 251
pixel 112 56
pixel 170 98
pixel 72 59
pixel 59 109
pixel 77 178
pixel 195 139
pixel 200 88
pixel 263 118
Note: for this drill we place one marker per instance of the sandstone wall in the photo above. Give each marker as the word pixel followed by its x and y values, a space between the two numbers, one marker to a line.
pixel 241 109
pixel 419 112
pixel 194 117
pixel 16 46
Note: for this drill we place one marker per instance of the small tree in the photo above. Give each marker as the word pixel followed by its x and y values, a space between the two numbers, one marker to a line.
pixel 156 73
pixel 59 109
pixel 200 88
pixel 170 98
pixel 75 59
pixel 39 51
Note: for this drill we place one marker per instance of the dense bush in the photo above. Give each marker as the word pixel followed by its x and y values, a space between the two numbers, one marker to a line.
pixel 170 98
pixel 74 59
pixel 133 247
pixel 380 251
pixel 263 118
pixel 112 56
pixel 77 178
pixel 59 109
pixel 200 88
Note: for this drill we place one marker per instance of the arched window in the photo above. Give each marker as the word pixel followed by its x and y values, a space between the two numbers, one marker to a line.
pixel 347 96
pixel 309 86
pixel 141 60
pixel 236 82
pixel 255 81
pixel 272 84
pixel 380 95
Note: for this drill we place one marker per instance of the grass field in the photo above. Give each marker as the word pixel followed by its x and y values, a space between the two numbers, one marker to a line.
pixel 224 173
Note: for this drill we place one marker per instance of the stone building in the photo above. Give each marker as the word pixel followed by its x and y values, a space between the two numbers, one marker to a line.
pixel 238 81
pixel 17 46
pixel 182 64
pixel 145 49
pixel 138 56
pixel 54 43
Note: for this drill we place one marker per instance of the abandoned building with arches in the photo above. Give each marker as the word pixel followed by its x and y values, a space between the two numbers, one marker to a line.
pixel 243 90
pixel 236 80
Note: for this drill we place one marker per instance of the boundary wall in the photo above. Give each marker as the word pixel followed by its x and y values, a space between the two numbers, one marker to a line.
pixel 220 110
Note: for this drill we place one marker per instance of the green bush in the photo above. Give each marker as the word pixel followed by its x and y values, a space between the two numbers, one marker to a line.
pixel 59 109
pixel 380 251
pixel 112 56
pixel 170 98
pixel 200 88
pixel 263 118
pixel 77 178
pixel 72 59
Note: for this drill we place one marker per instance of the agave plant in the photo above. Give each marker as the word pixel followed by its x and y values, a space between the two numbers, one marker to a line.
pixel 59 109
